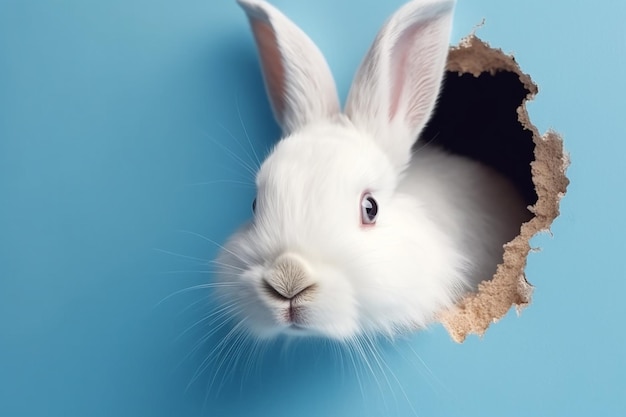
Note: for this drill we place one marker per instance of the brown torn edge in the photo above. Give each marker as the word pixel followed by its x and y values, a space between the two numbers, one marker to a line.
pixel 509 287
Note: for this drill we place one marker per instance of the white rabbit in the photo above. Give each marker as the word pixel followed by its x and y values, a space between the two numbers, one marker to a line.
pixel 353 232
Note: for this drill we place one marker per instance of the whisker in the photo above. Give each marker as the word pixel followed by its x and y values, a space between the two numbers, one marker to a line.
pixel 227 314
pixel 430 373
pixel 245 131
pixel 215 315
pixel 238 175
pixel 350 348
pixel 221 271
pixel 428 142
pixel 230 359
pixel 373 353
pixel 236 182
pixel 233 155
pixel 253 358
pixel 200 343
pixel 191 258
pixel 215 243
pixel 245 151
pixel 393 375
pixel 207 361
pixel 365 360
pixel 337 356
pixel 228 267
pixel 205 300
pixel 205 286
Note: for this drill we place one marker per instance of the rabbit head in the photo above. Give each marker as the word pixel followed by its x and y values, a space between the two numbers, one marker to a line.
pixel 333 249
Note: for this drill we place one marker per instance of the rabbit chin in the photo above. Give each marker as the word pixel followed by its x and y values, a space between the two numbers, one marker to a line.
pixel 334 332
pixel 271 325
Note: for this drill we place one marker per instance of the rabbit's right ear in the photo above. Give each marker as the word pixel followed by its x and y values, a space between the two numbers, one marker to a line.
pixel 298 81
pixel 396 88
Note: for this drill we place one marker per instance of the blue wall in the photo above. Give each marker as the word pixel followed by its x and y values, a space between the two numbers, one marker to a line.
pixel 117 120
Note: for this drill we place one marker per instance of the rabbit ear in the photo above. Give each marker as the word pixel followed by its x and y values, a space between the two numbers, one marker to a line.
pixel 396 87
pixel 298 81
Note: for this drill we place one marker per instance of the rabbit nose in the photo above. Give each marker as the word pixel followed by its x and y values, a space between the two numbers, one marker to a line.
pixel 289 279
pixel 281 295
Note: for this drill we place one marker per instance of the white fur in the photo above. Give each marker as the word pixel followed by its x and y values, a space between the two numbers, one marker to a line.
pixel 288 55
pixel 442 219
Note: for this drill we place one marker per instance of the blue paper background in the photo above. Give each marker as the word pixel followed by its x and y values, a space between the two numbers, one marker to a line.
pixel 115 118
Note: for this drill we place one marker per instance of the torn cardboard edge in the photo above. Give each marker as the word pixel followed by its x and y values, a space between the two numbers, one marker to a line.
pixel 509 287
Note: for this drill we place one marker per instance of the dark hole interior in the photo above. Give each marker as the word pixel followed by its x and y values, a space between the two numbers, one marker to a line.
pixel 477 117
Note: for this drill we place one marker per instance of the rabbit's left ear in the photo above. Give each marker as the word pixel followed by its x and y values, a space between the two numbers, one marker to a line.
pixel 396 87
pixel 298 81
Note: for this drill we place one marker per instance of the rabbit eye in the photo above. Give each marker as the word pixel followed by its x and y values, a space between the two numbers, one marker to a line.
pixel 254 205
pixel 369 209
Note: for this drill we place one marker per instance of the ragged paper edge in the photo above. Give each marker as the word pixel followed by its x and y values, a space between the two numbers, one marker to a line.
pixel 509 286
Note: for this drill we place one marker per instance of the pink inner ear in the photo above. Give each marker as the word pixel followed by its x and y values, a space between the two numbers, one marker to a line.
pixel 411 75
pixel 271 62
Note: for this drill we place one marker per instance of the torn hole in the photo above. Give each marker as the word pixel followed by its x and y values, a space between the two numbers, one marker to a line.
pixel 482 114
